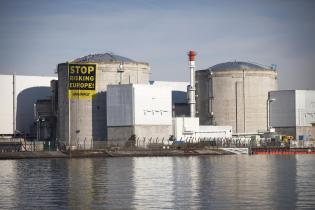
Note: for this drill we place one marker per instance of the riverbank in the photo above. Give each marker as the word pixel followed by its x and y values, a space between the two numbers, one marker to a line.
pixel 31 155
pixel 107 153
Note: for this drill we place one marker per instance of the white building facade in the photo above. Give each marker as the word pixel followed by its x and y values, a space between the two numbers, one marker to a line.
pixel 141 110
pixel 19 94
pixel 292 112
pixel 187 129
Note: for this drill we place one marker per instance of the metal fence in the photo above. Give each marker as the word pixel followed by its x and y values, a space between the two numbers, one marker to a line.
pixel 155 143
pixel 20 145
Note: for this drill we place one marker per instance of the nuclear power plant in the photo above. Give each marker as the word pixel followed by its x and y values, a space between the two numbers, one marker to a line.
pixel 106 99
pixel 235 93
pixel 83 113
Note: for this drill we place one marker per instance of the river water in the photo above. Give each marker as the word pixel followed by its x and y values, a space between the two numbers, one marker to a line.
pixel 204 182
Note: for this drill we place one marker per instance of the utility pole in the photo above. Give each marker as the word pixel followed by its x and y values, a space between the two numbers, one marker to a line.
pixel 69 117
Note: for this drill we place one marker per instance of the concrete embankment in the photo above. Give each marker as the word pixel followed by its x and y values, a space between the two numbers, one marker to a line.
pixel 148 153
pixel 106 153
pixel 31 155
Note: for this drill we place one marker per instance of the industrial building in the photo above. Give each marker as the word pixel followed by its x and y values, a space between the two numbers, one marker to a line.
pixel 188 129
pixel 86 119
pixel 235 94
pixel 45 122
pixel 141 110
pixel 292 112
pixel 145 111
pixel 148 113
pixel 73 109
pixel 179 96
pixel 19 94
pixel 108 98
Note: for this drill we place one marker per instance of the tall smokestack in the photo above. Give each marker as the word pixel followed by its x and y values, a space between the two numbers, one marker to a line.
pixel 191 87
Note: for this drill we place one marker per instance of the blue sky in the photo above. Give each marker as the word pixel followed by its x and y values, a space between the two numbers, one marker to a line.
pixel 37 35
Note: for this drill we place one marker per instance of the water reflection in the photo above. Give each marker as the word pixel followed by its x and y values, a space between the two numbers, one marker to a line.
pixel 305 181
pixel 100 183
pixel 283 181
pixel 41 184
pixel 186 182
pixel 7 183
pixel 80 180
pixel 234 182
pixel 114 184
pixel 153 183
pixel 216 182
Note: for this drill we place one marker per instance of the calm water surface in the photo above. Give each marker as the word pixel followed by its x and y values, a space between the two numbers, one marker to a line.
pixel 207 182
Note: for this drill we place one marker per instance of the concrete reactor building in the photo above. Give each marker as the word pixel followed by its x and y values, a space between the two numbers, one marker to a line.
pixel 142 110
pixel 154 113
pixel 82 85
pixel 235 94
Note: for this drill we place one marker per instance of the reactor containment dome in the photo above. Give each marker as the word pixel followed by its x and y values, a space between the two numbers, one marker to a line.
pixel 82 86
pixel 235 94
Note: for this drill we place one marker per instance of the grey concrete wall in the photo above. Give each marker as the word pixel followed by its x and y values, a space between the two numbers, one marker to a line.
pixel 289 131
pixel 296 131
pixel 313 132
pixel 202 98
pixel 119 135
pixel 282 109
pixel 228 98
pixel 88 116
pixel 181 110
pixel 153 133
pixel 120 105
pixel 62 112
pixel 144 134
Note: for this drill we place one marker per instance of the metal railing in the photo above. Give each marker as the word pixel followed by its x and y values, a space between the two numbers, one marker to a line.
pixel 155 143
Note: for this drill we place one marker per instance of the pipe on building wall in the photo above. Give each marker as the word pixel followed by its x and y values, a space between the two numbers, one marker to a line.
pixel 236 100
pixel 14 105
pixel 211 98
pixel 269 100
pixel 244 102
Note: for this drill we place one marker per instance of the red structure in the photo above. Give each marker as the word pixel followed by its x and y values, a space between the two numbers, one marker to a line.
pixel 282 151
pixel 192 54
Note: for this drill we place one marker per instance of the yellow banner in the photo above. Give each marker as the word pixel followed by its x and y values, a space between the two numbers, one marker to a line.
pixel 81 80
